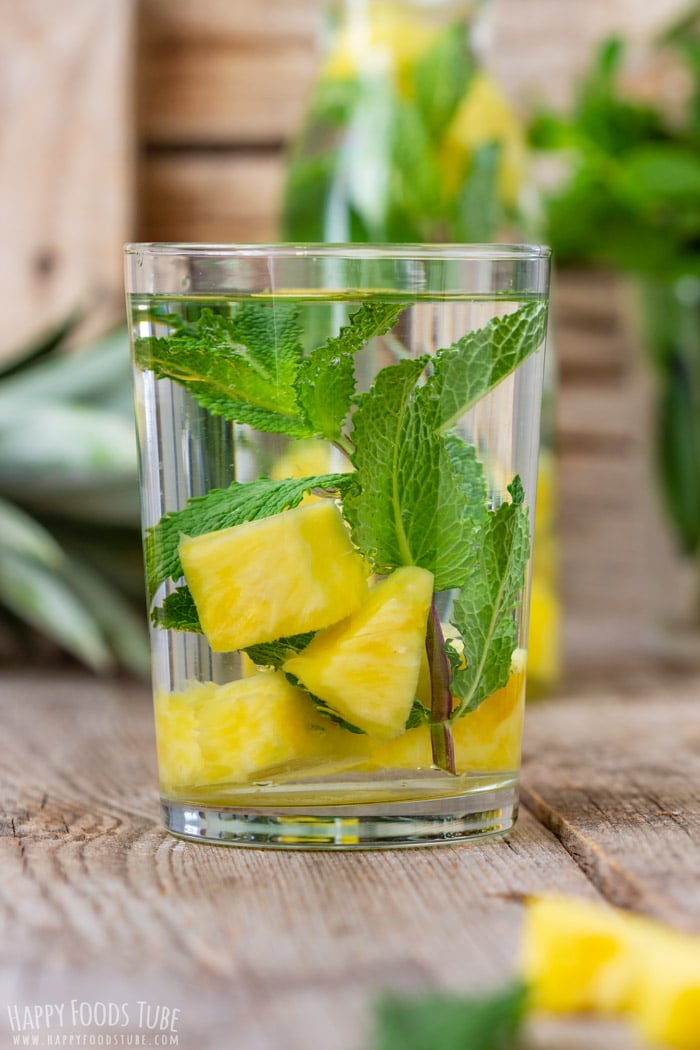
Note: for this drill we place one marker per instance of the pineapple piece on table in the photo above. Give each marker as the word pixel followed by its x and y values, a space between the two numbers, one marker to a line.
pixel 212 734
pixel 583 956
pixel 577 956
pixel 366 667
pixel 287 574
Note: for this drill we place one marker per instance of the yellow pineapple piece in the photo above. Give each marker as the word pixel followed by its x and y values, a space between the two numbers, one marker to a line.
pixel 577 956
pixel 582 956
pixel 487 739
pixel 267 579
pixel 666 1004
pixel 177 737
pixel 230 733
pixel 490 738
pixel 366 667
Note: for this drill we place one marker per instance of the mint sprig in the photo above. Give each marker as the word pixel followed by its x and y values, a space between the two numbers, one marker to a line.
pixel 417 496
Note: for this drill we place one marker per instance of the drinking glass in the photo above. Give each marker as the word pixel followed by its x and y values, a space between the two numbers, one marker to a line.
pixel 338 451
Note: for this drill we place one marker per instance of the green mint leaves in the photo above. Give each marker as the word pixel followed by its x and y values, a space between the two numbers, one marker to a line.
pixel 242 367
pixel 418 495
pixel 484 611
pixel 438 1021
pixel 477 362
pixel 250 367
pixel 327 375
pixel 409 505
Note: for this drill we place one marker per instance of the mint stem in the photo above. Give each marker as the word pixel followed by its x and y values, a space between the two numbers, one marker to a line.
pixel 440 696
pixel 343 443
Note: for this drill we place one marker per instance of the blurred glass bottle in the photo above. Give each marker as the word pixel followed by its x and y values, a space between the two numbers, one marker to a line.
pixel 407 137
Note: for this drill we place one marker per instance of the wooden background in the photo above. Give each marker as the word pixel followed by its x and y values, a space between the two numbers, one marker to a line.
pixel 167 119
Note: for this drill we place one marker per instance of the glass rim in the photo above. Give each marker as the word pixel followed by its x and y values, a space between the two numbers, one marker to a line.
pixel 350 250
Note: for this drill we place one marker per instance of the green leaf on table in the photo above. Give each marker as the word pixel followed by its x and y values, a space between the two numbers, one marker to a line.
pixel 326 380
pixel 243 367
pixel 484 612
pixel 465 372
pixel 435 1021
pixel 222 509
pixel 441 76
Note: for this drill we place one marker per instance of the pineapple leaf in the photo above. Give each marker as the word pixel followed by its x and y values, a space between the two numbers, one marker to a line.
pixel 476 363
pixel 222 509
pixel 484 612
pixel 326 381
pixel 44 597
pixel 243 367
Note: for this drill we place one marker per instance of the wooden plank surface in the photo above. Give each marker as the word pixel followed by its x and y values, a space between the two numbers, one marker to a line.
pixel 617 780
pixel 66 162
pixel 223 198
pixel 287 950
pixel 224 72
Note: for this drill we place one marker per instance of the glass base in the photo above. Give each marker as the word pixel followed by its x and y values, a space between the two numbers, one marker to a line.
pixel 431 822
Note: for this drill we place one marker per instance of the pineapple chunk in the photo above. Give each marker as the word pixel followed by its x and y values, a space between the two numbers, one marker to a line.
pixel 666 1005
pixel 177 735
pixel 267 579
pixel 584 956
pixel 230 733
pixel 577 956
pixel 487 739
pixel 366 668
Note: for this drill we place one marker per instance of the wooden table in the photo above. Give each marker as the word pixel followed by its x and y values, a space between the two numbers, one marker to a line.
pixel 286 951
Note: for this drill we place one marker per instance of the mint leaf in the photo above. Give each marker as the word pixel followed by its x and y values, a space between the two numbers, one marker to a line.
pixel 326 381
pixel 419 715
pixel 484 612
pixel 415 493
pixel 274 654
pixel 222 509
pixel 441 76
pixel 476 363
pixel 242 367
pixel 470 475
pixel 178 612
pixel 434 1021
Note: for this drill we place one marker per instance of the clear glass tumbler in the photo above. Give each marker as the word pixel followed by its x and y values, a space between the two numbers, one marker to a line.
pixel 338 464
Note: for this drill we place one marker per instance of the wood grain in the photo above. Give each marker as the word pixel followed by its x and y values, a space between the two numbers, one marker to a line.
pixel 66 162
pixel 616 778
pixel 275 951
pixel 224 72
pixel 229 198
